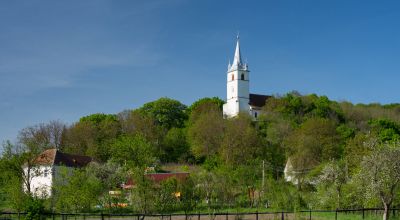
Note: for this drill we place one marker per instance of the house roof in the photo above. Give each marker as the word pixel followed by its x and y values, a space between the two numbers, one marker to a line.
pixel 55 157
pixel 258 100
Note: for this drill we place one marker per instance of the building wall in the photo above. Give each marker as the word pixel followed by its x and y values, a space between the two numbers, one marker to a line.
pixel 237 99
pixel 41 180
pixel 255 112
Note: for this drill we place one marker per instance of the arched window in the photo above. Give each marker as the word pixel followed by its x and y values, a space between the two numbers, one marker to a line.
pixel 233 77
pixel 242 77
pixel 255 114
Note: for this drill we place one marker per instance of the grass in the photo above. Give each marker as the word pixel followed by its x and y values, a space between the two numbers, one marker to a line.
pixel 278 216
pixel 346 216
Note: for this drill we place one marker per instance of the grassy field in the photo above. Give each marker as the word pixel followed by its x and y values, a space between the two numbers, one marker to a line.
pixel 270 216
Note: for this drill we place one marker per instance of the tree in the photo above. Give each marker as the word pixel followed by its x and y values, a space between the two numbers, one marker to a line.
pixel 11 179
pixel 241 142
pixel 214 101
pixel 43 136
pixel 167 112
pixel 92 135
pixel 189 195
pixel 133 151
pixel 355 150
pixel 330 183
pixel 143 194
pixel 386 130
pixel 381 174
pixel 314 142
pixel 78 137
pixel 76 190
pixel 138 123
pixel 111 176
pixel 166 199
pixel 175 146
pixel 205 131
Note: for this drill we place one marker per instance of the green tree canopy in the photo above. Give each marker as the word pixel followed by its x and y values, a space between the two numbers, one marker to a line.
pixel 206 130
pixel 214 100
pixel 167 112
pixel 133 151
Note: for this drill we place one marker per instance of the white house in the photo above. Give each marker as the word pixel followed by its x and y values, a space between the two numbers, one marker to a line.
pixel 238 96
pixel 47 168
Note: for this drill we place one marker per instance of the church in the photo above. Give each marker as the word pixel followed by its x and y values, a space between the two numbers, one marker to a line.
pixel 238 96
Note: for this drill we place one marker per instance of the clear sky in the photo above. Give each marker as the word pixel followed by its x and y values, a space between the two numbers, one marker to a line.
pixel 61 60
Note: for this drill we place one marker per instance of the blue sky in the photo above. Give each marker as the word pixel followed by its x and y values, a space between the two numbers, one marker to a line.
pixel 61 60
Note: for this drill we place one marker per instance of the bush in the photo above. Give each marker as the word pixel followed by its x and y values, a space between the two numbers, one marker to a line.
pixel 34 207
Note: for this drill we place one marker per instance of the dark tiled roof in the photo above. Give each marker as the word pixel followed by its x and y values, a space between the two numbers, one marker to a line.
pixel 55 157
pixel 258 100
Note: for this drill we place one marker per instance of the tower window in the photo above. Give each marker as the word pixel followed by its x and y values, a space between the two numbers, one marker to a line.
pixel 255 114
pixel 233 77
pixel 242 77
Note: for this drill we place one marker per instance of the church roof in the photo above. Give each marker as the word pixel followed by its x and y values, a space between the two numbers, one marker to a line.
pixel 237 59
pixel 258 100
pixel 55 157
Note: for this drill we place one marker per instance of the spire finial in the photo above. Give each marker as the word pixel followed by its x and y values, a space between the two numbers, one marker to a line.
pixel 237 60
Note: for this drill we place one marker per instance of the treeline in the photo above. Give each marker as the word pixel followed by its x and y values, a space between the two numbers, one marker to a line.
pixel 332 148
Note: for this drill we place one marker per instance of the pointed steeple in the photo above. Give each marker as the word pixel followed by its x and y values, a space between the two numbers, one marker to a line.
pixel 237 60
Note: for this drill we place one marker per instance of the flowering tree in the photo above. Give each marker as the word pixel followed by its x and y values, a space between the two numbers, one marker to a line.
pixel 380 172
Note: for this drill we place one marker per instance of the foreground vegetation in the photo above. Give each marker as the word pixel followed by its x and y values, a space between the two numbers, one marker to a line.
pixel 342 156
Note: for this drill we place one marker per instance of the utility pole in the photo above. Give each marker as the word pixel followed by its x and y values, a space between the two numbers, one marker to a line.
pixel 263 174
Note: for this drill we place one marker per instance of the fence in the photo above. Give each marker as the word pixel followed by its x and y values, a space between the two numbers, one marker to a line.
pixel 367 214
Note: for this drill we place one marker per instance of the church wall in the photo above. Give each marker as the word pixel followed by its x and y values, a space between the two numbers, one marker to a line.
pixel 231 108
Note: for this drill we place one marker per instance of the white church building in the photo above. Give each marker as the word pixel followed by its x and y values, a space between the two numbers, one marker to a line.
pixel 238 96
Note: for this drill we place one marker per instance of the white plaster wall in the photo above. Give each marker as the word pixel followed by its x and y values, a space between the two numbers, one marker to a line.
pixel 231 108
pixel 41 185
pixel 41 180
pixel 237 91
pixel 243 86
pixel 254 112
pixel 243 105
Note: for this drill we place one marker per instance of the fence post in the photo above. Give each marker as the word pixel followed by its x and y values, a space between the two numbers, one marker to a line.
pixel 18 216
pixel 363 212
pixel 257 215
pixel 226 216
pixel 336 214
pixel 102 216
pixel 283 216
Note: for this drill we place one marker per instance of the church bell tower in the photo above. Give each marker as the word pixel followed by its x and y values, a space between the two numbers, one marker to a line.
pixel 237 85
